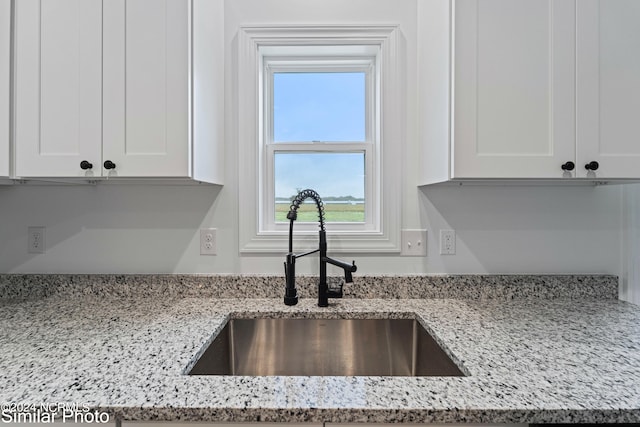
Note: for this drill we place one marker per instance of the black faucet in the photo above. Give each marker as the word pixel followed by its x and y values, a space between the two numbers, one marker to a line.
pixel 324 292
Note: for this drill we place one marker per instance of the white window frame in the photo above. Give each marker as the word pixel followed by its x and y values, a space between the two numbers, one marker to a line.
pixel 267 49
pixel 312 59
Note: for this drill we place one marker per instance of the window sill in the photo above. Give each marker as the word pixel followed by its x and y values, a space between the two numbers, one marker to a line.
pixel 342 242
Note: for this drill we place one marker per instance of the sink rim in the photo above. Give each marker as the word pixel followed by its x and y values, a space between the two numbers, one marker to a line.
pixel 320 315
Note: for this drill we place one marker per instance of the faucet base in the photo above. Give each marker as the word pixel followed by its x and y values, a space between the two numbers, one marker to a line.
pixel 291 299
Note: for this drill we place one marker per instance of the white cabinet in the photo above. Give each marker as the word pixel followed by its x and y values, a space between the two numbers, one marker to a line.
pixel 5 85
pixel 608 86
pixel 58 83
pixel 146 91
pixel 518 103
pixel 513 88
pixel 117 89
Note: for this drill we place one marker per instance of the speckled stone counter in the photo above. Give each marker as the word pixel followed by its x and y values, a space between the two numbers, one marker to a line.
pixel 528 359
pixel 23 287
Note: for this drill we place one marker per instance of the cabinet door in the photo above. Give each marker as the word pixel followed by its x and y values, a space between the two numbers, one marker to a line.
pixel 5 57
pixel 513 90
pixel 58 83
pixel 608 87
pixel 146 87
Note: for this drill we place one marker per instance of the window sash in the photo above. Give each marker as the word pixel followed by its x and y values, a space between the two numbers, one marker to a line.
pixel 328 65
pixel 370 147
pixel 372 208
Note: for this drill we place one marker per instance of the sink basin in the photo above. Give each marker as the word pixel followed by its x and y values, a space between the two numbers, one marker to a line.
pixel 324 347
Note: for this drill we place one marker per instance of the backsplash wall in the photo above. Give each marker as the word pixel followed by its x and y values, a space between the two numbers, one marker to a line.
pixel 154 229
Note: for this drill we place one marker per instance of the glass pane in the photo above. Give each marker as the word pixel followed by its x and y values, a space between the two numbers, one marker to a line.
pixel 328 107
pixel 337 177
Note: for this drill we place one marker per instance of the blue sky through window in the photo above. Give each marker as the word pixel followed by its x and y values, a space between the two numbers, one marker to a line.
pixel 326 107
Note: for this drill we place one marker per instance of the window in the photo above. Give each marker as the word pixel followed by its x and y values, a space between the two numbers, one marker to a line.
pixel 318 136
pixel 318 124
pixel 319 131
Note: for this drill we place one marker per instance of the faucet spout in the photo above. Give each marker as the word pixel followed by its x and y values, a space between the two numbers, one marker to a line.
pixel 348 268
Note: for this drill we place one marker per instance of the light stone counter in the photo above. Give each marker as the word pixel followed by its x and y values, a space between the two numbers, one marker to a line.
pixel 528 360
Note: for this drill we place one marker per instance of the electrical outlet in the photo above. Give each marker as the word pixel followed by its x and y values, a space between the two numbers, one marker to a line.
pixel 447 242
pixel 208 241
pixel 414 243
pixel 35 240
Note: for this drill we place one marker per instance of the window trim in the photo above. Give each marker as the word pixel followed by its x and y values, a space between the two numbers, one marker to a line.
pixel 252 42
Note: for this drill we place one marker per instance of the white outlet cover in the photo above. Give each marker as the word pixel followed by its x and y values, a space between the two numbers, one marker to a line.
pixel 447 242
pixel 414 243
pixel 208 241
pixel 36 240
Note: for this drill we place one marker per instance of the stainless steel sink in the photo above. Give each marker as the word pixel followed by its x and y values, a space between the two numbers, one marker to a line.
pixel 323 347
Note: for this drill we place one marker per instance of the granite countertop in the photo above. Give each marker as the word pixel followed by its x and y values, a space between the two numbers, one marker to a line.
pixel 529 360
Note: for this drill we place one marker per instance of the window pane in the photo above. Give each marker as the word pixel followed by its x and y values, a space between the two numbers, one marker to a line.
pixel 337 177
pixel 327 107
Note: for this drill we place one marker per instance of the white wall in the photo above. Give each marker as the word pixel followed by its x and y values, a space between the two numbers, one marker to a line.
pixel 154 229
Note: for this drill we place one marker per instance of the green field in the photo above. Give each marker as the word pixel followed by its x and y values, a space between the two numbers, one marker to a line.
pixel 333 212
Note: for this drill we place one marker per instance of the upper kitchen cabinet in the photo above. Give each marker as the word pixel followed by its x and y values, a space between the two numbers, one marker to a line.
pixel 58 86
pixel 119 89
pixel 498 97
pixel 5 86
pixel 498 94
pixel 608 86
pixel 146 91
pixel 513 88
